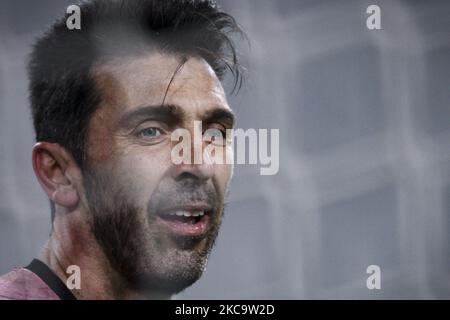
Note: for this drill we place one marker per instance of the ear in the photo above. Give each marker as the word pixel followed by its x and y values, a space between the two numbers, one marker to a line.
pixel 54 169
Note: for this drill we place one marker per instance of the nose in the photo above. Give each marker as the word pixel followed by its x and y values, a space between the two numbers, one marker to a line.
pixel 200 167
pixel 200 163
pixel 201 172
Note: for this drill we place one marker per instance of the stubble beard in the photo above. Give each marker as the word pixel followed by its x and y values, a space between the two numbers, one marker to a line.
pixel 145 259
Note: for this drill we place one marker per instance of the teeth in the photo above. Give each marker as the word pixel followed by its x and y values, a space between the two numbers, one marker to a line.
pixel 181 213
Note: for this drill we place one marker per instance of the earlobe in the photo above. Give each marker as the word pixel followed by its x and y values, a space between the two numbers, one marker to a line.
pixel 65 196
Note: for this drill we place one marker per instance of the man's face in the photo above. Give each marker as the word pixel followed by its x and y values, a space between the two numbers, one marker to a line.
pixel 133 189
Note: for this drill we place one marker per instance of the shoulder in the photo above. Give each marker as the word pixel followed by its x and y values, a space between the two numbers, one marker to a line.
pixel 22 284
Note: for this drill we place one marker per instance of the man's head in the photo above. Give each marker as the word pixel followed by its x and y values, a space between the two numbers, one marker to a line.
pixel 105 101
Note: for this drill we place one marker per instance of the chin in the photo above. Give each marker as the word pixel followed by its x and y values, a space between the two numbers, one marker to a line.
pixel 167 274
pixel 167 284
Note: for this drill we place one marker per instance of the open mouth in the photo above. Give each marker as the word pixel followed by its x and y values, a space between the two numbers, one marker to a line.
pixel 186 222
pixel 183 216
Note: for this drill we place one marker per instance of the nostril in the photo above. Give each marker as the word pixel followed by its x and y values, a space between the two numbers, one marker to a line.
pixel 199 172
pixel 186 176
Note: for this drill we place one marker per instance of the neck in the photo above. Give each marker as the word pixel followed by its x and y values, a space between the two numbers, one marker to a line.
pixel 98 280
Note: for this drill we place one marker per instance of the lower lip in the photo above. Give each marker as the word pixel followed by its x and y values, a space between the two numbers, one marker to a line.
pixel 186 229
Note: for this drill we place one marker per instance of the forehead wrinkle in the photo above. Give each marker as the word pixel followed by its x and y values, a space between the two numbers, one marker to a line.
pixel 132 82
pixel 154 67
pixel 206 85
pixel 141 80
pixel 155 72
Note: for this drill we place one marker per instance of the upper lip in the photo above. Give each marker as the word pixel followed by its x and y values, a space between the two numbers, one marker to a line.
pixel 191 207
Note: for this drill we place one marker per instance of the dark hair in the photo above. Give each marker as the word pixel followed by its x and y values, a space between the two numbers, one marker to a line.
pixel 62 89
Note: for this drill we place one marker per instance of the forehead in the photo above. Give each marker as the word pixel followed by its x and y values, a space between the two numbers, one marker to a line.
pixel 127 83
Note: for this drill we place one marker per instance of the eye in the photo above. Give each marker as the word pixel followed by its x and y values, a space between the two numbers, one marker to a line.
pixel 215 133
pixel 216 136
pixel 151 132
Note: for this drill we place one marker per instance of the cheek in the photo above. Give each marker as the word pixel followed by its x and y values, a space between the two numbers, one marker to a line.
pixel 223 174
pixel 228 168
pixel 142 172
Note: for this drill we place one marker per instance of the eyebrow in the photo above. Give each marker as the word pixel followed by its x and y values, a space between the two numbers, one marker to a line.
pixel 220 114
pixel 174 115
